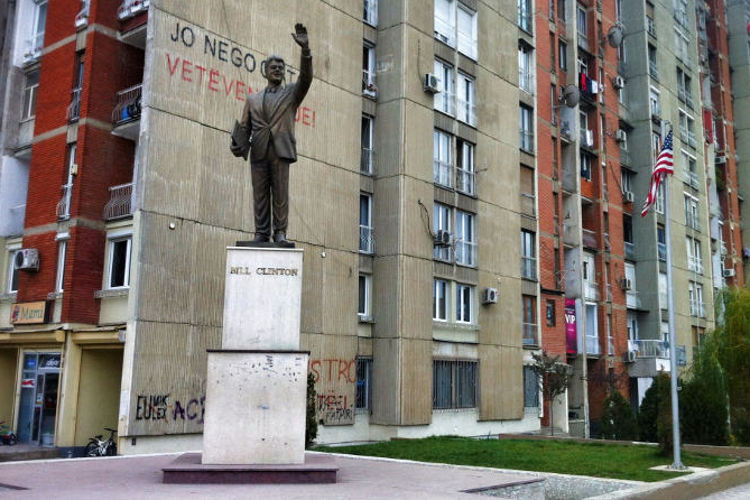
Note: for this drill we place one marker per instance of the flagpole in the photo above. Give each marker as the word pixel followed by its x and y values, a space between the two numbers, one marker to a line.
pixel 677 460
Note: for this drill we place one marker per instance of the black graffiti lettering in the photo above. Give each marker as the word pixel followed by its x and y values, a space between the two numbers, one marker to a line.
pixel 191 416
pixel 178 410
pixel 223 51
pixel 248 66
pixel 236 57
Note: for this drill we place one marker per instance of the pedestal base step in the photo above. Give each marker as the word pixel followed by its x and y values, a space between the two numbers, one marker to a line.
pixel 188 469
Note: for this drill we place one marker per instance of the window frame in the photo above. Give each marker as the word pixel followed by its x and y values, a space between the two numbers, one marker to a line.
pixel 366 226
pixel 465 298
pixel 366 300
pixel 112 240
pixel 528 255
pixel 62 249
pixel 438 285
pixel 460 385
pixel 466 239
pixel 30 95
pixel 367 141
pixel 12 270
pixel 466 98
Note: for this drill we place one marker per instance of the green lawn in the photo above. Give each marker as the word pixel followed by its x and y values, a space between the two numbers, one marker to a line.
pixel 565 457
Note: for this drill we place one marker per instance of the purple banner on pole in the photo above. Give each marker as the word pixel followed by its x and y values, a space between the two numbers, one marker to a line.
pixel 571 332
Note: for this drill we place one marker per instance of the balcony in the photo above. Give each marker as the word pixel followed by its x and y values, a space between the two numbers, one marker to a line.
pixel 118 206
pixel 528 268
pixel 526 140
pixel 646 348
pixel 74 108
pixel 127 113
pixel 63 206
pixel 590 290
pixel 368 84
pixel 529 334
pixel 366 161
pixel 589 239
pixel 441 171
pixel 466 181
pixel 131 8
pixel 629 250
pixel 632 299
pixel 370 15
pixel 366 240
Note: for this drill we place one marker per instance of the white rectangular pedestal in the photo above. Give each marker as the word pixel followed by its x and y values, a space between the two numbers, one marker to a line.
pixel 262 298
pixel 255 407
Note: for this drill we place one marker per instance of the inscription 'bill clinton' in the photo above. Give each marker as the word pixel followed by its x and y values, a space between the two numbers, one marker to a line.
pixel 265 271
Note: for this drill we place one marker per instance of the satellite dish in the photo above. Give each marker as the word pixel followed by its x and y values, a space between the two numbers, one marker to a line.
pixel 615 36
pixel 572 96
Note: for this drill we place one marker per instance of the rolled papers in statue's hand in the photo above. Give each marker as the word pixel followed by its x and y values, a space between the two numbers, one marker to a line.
pixel 240 140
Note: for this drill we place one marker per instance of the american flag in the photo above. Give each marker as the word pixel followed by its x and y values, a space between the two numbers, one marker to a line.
pixel 664 165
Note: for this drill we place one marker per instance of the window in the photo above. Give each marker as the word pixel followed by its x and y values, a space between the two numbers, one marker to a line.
pixel 30 90
pixel 695 261
pixel 528 198
pixel 661 243
pixel 681 46
pixel 368 70
pixel 366 237
pixel 444 100
pixel 525 12
pixel 528 255
pixel 528 320
pixel 439 300
pixel 691 212
pixel 661 198
pixel 585 166
pixel 632 324
pixel 364 308
pixel 454 384
pixel 62 247
pixel 466 239
pixel 442 223
pixel 12 269
pixel 583 39
pixel 442 164
pixel 681 12
pixel 695 295
pixel 691 170
pixel 553 104
pixel 445 21
pixel 654 102
pixel 464 303
pixel 467 31
pixel 119 262
pixel 687 129
pixel 550 313
pixel 36 42
pixel 465 175
pixel 526 124
pixel 526 68
pixel 465 100
pixel 370 15
pixel 663 299
pixel 364 384
pixel 63 206
pixel 74 109
pixel 563 55
pixel 530 388
pixel 626 177
pixel 653 69
pixel 368 126
pixel 561 9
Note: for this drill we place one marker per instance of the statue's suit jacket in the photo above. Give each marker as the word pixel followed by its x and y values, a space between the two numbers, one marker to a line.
pixel 278 126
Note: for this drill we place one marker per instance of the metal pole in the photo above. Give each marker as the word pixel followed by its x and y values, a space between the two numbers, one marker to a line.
pixel 677 462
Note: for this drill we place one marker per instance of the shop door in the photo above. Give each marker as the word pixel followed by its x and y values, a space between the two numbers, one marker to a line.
pixel 38 405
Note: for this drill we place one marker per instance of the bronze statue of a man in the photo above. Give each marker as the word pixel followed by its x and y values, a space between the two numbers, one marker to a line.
pixel 268 120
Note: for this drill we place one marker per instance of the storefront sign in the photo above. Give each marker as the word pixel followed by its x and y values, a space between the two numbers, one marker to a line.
pixel 26 313
pixel 28 382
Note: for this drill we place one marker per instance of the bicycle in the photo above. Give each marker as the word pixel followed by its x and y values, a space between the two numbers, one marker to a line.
pixel 99 447
pixel 7 437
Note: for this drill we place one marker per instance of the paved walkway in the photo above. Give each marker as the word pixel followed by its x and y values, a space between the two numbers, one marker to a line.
pixel 137 477
pixel 738 492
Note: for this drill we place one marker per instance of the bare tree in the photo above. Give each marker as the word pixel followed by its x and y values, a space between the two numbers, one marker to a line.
pixel 553 378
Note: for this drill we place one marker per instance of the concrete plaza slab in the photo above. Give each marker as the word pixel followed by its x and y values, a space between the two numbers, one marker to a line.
pixel 134 477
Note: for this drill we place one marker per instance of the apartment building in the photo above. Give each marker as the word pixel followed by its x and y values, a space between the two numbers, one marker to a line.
pixel 420 298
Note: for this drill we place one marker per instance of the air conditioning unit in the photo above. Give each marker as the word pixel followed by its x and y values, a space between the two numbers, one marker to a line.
pixel 728 273
pixel 443 238
pixel 626 284
pixel 621 135
pixel 628 196
pixel 489 296
pixel 721 160
pixel 431 84
pixel 618 82
pixel 630 356
pixel 27 259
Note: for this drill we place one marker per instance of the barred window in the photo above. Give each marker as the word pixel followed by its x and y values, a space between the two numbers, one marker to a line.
pixel 454 384
pixel 364 384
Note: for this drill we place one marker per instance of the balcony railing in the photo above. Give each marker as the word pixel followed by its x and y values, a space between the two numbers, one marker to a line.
pixel 661 250
pixel 366 239
pixel 590 290
pixel 131 8
pixel 366 161
pixel 118 205
pixel 629 250
pixel 128 107
pixel 466 253
pixel 528 268
pixel 646 348
pixel 63 206
pixel 528 204
pixel 442 173
pixel 368 83
pixel 529 334
pixel 526 140
pixel 370 15
pixel 466 181
pixel 632 299
pixel 74 108
pixel 589 239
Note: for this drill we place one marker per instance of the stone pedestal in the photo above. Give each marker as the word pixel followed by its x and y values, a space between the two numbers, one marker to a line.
pixel 256 384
